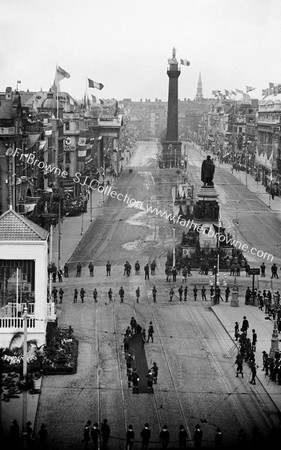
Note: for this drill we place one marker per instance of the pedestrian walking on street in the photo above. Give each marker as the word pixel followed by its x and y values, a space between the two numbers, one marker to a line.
pixel 154 292
pixel 185 293
pixel 14 436
pixel 108 269
pixel 146 272
pixel 61 292
pixel 86 434
pixel 78 270
pixel 254 373
pixel 239 362
pixel 130 436
pixel 135 380
pixel 91 269
pixel 218 438
pixel 174 273
pixel 236 331
pixel 184 274
pixel 65 269
pixel 95 295
pixel 155 370
pixel 150 332
pixel 105 434
pixel 82 294
pixel 137 294
pixel 133 324
pixel 28 436
pixel 42 435
pixel 180 291
pixel 212 292
pixel 143 337
pixel 171 293
pixel 195 293
pixel 245 325
pixel 75 295
pixel 254 340
pixel 182 437
pixel 121 294
pixel 60 275
pixel 145 436
pixel 203 294
pixel 164 437
pixel 198 436
pixel 227 292
pixel 137 268
pixel 152 267
pixel 110 295
pixel 149 377
pixel 95 435
pixel 55 294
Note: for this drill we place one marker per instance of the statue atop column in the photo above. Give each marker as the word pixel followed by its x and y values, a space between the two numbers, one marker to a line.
pixel 207 171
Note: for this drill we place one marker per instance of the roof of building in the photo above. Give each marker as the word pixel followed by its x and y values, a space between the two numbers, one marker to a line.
pixel 15 227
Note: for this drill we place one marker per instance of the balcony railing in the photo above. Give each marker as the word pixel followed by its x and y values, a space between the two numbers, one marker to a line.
pixel 16 322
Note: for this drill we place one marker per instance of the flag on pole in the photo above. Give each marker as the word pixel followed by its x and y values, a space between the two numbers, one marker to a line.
pixel 94 84
pixel 239 91
pixel 233 92
pixel 227 92
pixel 250 88
pixel 61 74
pixel 94 99
pixel 184 62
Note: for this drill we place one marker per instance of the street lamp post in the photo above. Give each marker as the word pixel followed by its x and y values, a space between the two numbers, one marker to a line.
pixel 24 370
pixel 174 247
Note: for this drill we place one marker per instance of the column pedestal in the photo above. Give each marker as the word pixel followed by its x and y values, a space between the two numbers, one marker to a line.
pixel 234 298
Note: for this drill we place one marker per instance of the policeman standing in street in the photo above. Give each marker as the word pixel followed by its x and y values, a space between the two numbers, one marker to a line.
pixel 154 292
pixel 135 380
pixel 110 295
pixel 150 332
pixel 95 295
pixel 145 436
pixel 86 434
pixel 82 294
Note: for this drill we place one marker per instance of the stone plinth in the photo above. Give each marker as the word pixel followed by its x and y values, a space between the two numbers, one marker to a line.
pixel 207 194
pixel 172 153
pixel 234 298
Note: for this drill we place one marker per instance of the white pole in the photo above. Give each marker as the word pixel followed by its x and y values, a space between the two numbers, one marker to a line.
pixel 17 293
pixel 174 247
pixel 50 261
pixel 24 371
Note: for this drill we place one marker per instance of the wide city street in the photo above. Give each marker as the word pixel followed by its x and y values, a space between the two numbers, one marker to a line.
pixel 197 381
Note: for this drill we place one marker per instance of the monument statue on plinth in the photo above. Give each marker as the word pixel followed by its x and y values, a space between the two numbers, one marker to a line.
pixel 207 171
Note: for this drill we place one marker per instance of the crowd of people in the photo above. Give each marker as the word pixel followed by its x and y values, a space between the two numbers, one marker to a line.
pixel 28 437
pixel 131 363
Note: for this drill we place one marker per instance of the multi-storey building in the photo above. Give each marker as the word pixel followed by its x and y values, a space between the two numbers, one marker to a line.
pixel 268 151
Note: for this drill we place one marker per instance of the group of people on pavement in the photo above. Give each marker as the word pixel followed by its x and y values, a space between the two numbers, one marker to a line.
pixel 28 438
pixel 246 349
pixel 265 299
pixel 99 435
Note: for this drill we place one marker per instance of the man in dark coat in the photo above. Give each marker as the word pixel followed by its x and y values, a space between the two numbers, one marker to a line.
pixel 198 436
pixel 95 434
pixel 146 272
pixel 154 292
pixel 145 436
pixel 105 433
pixel 182 437
pixel 86 434
pixel 207 171
pixel 164 437
pixel 91 269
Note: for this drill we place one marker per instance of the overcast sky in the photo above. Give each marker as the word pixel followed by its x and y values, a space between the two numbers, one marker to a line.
pixel 125 44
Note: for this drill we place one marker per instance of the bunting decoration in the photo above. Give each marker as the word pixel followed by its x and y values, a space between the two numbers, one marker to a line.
pixel 94 84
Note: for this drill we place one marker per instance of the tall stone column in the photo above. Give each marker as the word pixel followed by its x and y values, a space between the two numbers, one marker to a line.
pixel 171 146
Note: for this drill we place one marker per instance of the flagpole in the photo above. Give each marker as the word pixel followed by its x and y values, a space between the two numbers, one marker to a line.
pixel 57 90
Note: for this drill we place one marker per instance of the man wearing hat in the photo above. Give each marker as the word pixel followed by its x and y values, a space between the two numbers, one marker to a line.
pixel 198 436
pixel 182 437
pixel 105 433
pixel 95 434
pixel 145 436
pixel 164 437
pixel 130 435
